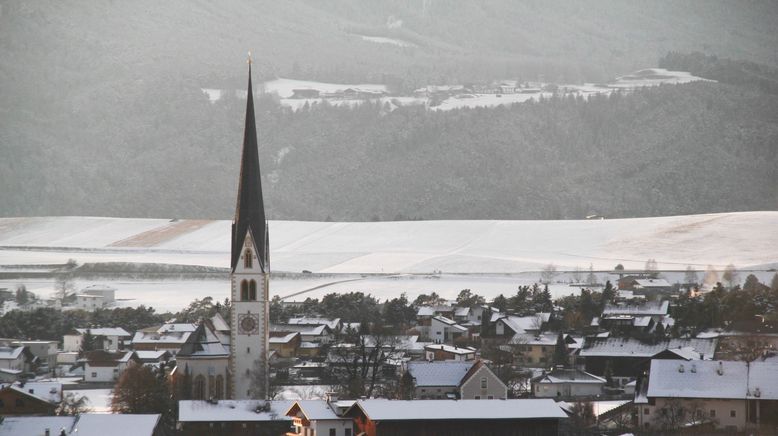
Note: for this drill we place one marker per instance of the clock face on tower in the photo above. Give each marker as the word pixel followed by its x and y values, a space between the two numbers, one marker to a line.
pixel 248 324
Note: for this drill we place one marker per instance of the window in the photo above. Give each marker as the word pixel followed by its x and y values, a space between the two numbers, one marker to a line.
pixel 219 387
pixel 244 290
pixel 712 413
pixel 198 388
pixel 483 383
pixel 646 411
pixel 94 375
pixel 252 290
pixel 332 432
pixel 19 402
pixel 490 397
pixel 732 413
pixel 477 397
pixel 248 350
pixel 248 260
pixel 2 404
pixel 348 432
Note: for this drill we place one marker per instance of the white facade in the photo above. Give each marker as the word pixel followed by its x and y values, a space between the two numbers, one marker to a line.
pixel 250 329
pixel 89 302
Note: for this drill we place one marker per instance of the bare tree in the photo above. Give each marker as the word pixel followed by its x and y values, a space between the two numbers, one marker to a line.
pixel 672 415
pixel 548 273
pixel 730 275
pixel 651 268
pixel 357 368
pixel 73 404
pixel 577 275
pixel 591 278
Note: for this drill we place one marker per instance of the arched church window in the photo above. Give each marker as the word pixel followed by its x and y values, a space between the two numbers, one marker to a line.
pixel 198 388
pixel 253 290
pixel 218 387
pixel 248 259
pixel 244 290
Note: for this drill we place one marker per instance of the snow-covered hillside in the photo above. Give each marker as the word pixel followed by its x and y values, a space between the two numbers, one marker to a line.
pixel 744 239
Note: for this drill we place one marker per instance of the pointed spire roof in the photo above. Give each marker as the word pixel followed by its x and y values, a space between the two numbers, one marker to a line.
pixel 250 210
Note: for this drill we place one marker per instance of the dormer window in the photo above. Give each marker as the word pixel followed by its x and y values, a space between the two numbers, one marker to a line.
pixel 248 259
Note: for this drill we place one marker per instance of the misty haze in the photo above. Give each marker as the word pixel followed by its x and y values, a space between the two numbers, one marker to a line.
pixel 274 217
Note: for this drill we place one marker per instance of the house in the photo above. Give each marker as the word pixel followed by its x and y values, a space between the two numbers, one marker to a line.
pixel 16 360
pixel 647 286
pixel 111 338
pixel 234 417
pixel 634 317
pixel 443 330
pixel 308 350
pixel 564 382
pixel 204 361
pixel 85 424
pixel 316 417
pixel 153 357
pixel 333 324
pixel 450 380
pixel 320 333
pixel 448 352
pixel 536 349
pixel 170 337
pixel 286 344
pixel 727 395
pixel 305 93
pixel 106 366
pixel 108 293
pixel 378 417
pixel 44 351
pixel 628 357
pixel 506 326
pixel 88 302
pixel 36 399
pixel 424 315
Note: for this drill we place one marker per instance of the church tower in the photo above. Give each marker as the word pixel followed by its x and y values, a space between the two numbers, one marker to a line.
pixel 250 270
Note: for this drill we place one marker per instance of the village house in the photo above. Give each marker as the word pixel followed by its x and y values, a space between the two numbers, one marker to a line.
pixel 170 337
pixel 316 417
pixel 44 351
pixel 234 417
pixel 154 358
pixel 333 324
pixel 378 417
pixel 634 317
pixel 627 358
pixel 285 344
pixel 448 352
pixel 567 382
pixel 320 333
pixel 726 395
pixel 445 330
pixel 106 366
pixel 15 361
pixel 107 338
pixel 507 326
pixel 85 424
pixel 33 398
pixel 455 380
pixel 537 349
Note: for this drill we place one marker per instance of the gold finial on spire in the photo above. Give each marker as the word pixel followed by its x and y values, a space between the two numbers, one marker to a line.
pixel 248 61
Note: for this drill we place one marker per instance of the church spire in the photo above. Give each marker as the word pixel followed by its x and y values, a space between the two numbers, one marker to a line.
pixel 250 210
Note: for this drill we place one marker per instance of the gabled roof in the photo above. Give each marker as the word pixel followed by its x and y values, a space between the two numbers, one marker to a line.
pixel 283 339
pixel 569 376
pixel 449 322
pixel 446 373
pixel 203 343
pixel 712 379
pixel 100 424
pixel 11 353
pixel 628 347
pixel 105 331
pixel 649 308
pixel 109 359
pixel 219 324
pixel 46 391
pixel 311 321
pixel 305 330
pixel 35 425
pixel 429 410
pixel 453 349
pixel 519 324
pixel 313 410
pixel 652 283
pixel 232 411
pixel 250 209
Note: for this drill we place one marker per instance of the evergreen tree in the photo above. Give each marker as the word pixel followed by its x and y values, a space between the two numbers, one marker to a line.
pixel 608 295
pixel 89 342
pixel 139 390
pixel 500 303
pixel 560 351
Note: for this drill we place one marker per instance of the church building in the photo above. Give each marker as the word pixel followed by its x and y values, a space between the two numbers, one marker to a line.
pixel 249 274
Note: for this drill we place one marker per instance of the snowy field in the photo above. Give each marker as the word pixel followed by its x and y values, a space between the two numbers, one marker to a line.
pixel 284 88
pixel 386 259
pixel 385 40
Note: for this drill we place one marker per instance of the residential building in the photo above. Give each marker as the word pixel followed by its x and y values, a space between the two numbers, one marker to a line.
pixel 45 351
pixel 445 330
pixel 732 396
pixel 448 352
pixel 506 326
pixel 29 399
pixel 450 380
pixel 169 337
pixel 634 317
pixel 234 417
pixel 16 360
pixel 106 366
pixel 285 344
pixel 85 424
pixel 378 417
pixel 567 382
pixel 316 417
pixel 334 324
pixel 111 338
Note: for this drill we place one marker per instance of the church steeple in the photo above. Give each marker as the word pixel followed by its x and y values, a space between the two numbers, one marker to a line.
pixel 250 210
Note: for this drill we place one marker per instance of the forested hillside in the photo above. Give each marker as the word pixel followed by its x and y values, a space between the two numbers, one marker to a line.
pixel 101 111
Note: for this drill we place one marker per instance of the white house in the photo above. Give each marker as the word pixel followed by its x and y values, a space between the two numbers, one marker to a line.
pixel 104 366
pixel 316 417
pixel 45 351
pixel 107 293
pixel 16 360
pixel 112 338
pixel 444 329
pixel 88 302
pixel 170 337
pixel 567 383
pixel 448 352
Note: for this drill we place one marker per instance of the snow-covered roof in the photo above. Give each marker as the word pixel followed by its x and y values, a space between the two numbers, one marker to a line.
pixel 203 343
pixel 520 324
pixel 547 338
pixel 149 355
pixel 713 379
pixel 629 347
pixel 400 410
pixel 652 283
pixel 641 321
pixel 453 349
pixel 105 331
pixel 447 373
pixel 649 308
pixel 219 324
pixel 315 410
pixel 10 353
pixel 570 376
pixel 283 339
pixel 305 330
pixel 177 327
pixel 309 345
pixel 311 321
pixel 100 424
pixel 686 353
pixel 350 325
pixel 35 425
pixel 399 342
pixel 46 391
pixel 155 337
pixel 232 410
pixel 461 311
pixel 98 288
pixel 432 310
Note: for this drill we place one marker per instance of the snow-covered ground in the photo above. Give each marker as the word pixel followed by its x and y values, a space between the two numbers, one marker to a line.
pixel 285 87
pixel 487 246
pixel 385 40
pixel 386 259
